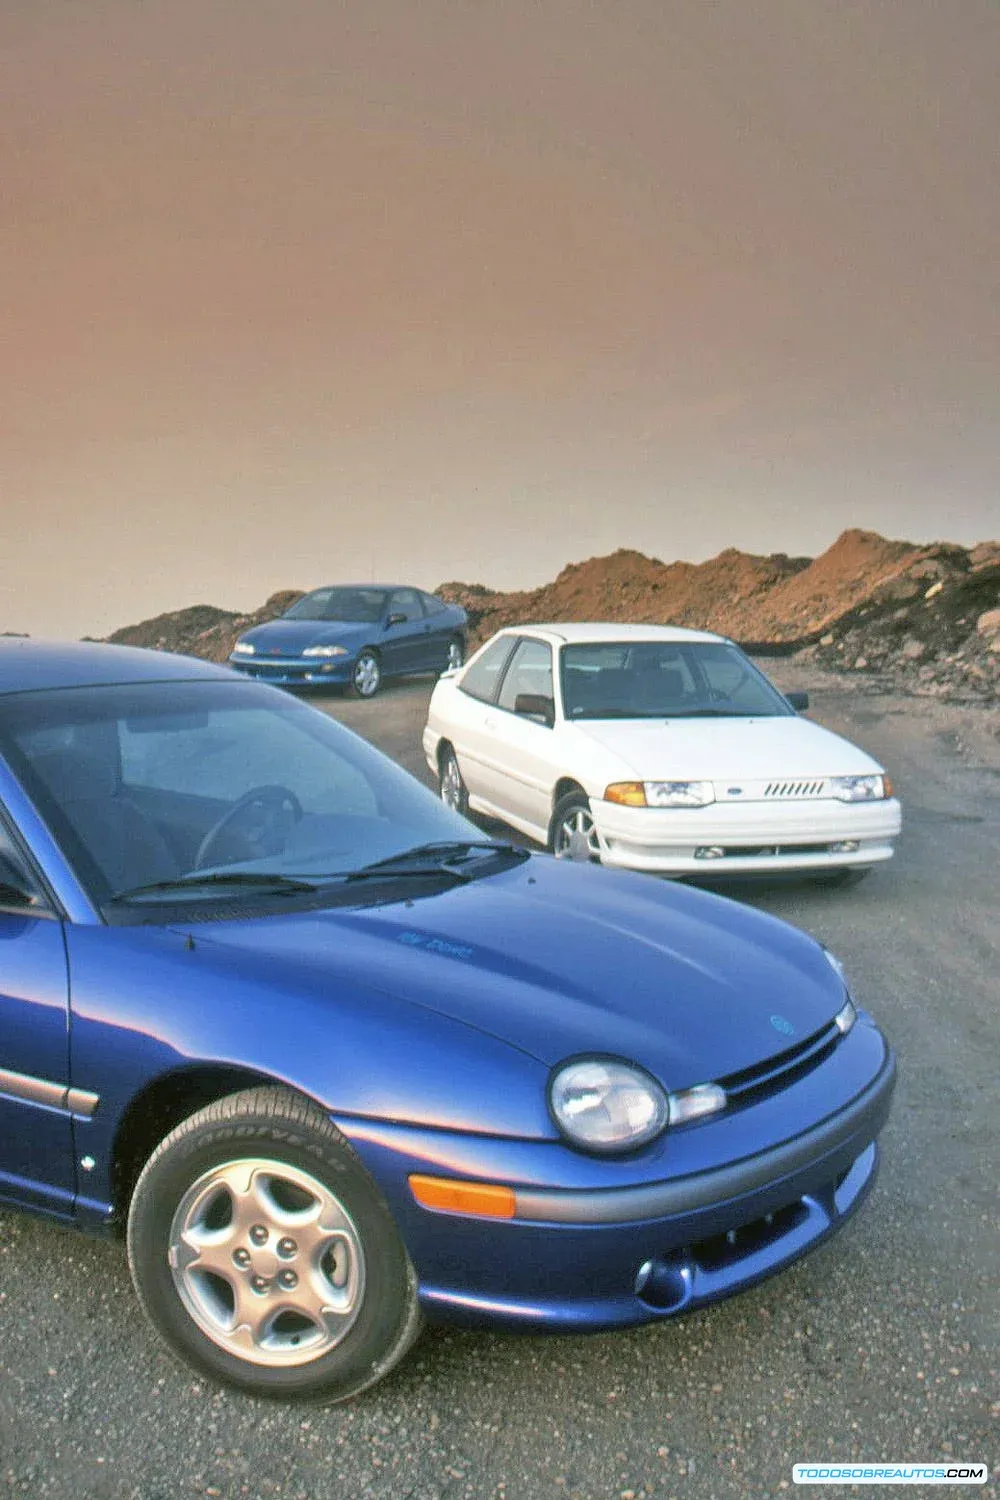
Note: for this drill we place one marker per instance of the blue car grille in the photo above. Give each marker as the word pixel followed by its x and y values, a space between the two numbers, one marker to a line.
pixel 752 1084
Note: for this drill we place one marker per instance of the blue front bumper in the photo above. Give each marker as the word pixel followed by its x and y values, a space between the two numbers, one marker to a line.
pixel 581 1259
pixel 291 671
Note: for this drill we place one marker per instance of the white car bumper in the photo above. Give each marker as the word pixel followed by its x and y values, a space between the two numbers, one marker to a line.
pixel 751 837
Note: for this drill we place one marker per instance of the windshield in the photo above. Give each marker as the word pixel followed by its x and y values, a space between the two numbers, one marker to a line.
pixel 365 606
pixel 151 784
pixel 665 680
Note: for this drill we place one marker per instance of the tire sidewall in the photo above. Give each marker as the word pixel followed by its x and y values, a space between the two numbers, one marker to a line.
pixel 463 808
pixel 389 1301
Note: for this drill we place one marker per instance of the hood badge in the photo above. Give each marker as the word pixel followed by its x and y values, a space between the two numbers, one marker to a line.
pixel 785 1027
pixel 734 791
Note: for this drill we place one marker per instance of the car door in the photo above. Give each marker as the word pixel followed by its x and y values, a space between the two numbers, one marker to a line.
pixel 439 632
pixel 404 640
pixel 36 1131
pixel 471 707
pixel 523 770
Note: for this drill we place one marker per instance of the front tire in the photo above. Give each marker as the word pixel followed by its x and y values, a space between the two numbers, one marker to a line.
pixel 265 1256
pixel 572 832
pixel 366 679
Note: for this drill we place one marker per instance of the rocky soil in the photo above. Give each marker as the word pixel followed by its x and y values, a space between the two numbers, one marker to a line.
pixel 923 619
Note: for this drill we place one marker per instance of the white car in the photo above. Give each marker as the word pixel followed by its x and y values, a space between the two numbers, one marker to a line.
pixel 657 749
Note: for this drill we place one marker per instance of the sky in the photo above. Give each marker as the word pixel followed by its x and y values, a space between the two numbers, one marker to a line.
pixel 305 290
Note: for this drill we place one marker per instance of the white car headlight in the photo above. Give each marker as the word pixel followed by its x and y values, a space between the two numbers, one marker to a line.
pixel 679 793
pixel 325 651
pixel 243 648
pixel 859 788
pixel 605 1105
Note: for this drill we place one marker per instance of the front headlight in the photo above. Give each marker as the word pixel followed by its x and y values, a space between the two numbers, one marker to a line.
pixel 325 651
pixel 846 1017
pixel 243 648
pixel 605 1105
pixel 859 788
pixel 660 793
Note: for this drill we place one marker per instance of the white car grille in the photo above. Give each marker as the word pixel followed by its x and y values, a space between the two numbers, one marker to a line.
pixel 796 789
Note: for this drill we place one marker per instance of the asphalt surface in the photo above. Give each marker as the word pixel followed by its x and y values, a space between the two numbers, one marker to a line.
pixel 880 1346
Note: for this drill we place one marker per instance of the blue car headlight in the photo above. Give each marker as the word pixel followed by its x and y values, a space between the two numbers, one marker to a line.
pixel 605 1105
pixel 326 651
pixel 243 648
pixel 848 1013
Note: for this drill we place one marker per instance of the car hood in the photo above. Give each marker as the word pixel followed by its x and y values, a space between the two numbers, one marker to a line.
pixel 716 749
pixel 558 959
pixel 290 637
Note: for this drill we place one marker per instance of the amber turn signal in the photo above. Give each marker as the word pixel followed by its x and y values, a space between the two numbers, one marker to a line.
pixel 626 793
pixel 887 788
pixel 453 1197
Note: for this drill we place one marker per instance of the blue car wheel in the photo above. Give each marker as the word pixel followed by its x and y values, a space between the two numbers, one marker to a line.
pixel 264 1254
pixel 366 678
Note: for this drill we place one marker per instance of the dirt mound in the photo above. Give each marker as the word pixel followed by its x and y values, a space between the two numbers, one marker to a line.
pixel 926 617
pixel 201 629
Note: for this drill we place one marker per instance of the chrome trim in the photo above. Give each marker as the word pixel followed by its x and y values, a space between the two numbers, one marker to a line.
pixel 50 1095
pixel 857 1126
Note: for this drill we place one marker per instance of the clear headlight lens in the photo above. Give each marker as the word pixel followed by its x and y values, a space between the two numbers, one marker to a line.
pixel 325 651
pixel 679 793
pixel 859 788
pixel 606 1106
pixel 243 648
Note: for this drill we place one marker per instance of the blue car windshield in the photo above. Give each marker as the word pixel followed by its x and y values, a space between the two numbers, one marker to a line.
pixel 365 606
pixel 150 784
pixel 665 680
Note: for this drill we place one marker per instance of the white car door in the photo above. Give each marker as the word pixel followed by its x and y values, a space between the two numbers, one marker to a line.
pixel 521 756
pixel 471 709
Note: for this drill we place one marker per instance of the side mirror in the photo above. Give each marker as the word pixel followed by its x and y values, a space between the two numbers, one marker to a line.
pixel 536 706
pixel 16 889
pixel 395 619
pixel 798 701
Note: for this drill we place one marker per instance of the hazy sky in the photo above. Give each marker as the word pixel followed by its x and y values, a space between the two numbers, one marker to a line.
pixel 298 290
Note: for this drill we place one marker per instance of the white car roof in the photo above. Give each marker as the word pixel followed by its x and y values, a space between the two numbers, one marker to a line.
pixel 595 634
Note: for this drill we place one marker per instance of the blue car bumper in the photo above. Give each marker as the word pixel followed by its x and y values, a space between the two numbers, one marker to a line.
pixel 582 1259
pixel 292 671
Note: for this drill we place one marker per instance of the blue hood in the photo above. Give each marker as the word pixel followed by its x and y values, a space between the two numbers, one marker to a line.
pixel 557 959
pixel 291 637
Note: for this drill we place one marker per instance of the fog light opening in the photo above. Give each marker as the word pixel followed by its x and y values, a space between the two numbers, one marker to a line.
pixel 845 846
pixel 663 1284
pixel 710 851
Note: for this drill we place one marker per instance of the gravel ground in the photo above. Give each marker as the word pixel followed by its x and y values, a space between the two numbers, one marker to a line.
pixel 880 1346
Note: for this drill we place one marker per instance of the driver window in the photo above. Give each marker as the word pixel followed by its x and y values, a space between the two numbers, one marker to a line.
pixel 529 672
pixel 406 602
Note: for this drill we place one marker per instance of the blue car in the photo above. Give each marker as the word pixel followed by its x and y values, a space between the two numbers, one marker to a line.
pixel 353 636
pixel 332 1062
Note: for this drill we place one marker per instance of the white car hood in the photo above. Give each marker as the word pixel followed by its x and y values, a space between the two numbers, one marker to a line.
pixel 716 749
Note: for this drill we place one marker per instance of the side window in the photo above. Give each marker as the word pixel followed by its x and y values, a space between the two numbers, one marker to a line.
pixel 529 672
pixel 432 604
pixel 480 679
pixel 14 867
pixel 406 602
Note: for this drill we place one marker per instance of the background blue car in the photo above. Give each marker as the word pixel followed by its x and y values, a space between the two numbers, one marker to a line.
pixel 334 1063
pixel 353 635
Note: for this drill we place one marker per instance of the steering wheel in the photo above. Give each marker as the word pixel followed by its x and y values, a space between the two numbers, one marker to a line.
pixel 275 808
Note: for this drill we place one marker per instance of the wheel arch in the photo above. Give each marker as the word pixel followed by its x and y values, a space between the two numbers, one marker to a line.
pixel 563 787
pixel 160 1107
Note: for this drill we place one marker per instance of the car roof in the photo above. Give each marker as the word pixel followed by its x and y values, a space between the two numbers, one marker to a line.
pixel 605 633
pixel 320 587
pixel 28 665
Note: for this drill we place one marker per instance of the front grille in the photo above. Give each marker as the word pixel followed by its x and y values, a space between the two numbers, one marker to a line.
pixel 797 789
pixel 750 1085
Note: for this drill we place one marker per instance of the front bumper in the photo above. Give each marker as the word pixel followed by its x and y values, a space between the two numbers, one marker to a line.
pixel 588 1257
pixel 287 671
pixel 753 837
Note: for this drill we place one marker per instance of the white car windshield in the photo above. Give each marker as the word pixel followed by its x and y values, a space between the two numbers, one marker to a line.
pixel 665 680
pixel 151 784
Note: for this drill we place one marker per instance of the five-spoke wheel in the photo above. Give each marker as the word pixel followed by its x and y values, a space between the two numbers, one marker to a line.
pixel 572 832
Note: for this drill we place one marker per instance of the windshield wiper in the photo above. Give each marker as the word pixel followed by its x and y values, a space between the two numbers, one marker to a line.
pixel 435 859
pixel 254 879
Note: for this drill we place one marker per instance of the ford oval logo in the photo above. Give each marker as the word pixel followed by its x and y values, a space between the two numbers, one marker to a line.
pixel 735 791
pixel 785 1027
